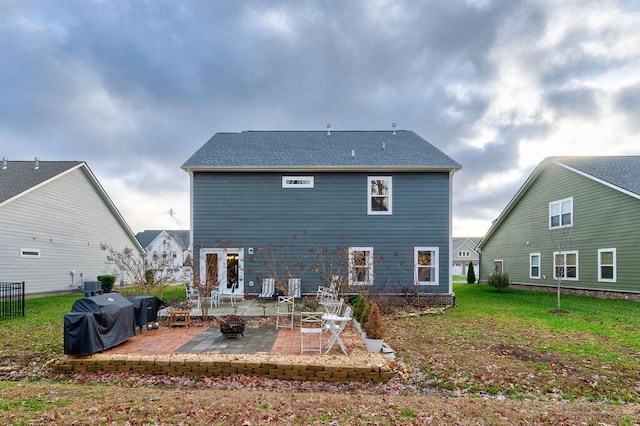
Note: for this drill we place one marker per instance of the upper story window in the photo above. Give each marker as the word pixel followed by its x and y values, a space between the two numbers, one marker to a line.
pixel 464 253
pixel 297 181
pixel 379 199
pixel 425 261
pixel 607 265
pixel 360 265
pixel 561 213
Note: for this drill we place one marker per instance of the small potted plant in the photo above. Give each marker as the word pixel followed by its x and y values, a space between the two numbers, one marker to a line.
pixel 374 329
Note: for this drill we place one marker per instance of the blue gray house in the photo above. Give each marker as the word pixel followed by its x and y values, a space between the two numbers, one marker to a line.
pixel 371 208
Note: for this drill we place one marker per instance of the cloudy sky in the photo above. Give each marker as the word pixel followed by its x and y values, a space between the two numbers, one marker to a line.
pixel 135 87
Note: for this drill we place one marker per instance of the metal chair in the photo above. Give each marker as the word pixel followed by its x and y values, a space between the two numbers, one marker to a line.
pixel 311 324
pixel 285 311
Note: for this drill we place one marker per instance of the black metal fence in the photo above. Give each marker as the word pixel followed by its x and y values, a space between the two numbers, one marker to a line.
pixel 11 300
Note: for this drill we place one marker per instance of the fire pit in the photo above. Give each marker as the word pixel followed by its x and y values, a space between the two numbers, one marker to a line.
pixel 231 325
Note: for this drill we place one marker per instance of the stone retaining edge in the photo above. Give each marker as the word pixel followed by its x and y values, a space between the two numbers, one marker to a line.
pixel 191 367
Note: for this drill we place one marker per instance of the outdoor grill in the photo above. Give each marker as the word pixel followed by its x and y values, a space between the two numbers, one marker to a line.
pixel 98 323
pixel 231 325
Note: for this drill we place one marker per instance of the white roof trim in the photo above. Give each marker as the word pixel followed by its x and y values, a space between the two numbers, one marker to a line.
pixel 534 175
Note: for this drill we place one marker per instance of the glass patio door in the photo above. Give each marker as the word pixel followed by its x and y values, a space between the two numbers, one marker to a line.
pixel 225 267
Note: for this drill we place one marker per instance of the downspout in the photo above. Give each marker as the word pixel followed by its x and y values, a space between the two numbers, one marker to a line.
pixel 193 245
pixel 451 237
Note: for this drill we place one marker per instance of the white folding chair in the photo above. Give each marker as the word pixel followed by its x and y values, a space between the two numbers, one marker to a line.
pixel 215 298
pixel 268 288
pixel 294 288
pixel 332 306
pixel 311 325
pixel 336 324
pixel 285 311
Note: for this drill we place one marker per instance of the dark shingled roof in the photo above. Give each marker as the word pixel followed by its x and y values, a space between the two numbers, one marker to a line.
pixel 316 150
pixel 20 176
pixel 147 236
pixel 620 171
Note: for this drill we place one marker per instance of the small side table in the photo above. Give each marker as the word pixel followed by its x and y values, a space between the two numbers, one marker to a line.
pixel 180 318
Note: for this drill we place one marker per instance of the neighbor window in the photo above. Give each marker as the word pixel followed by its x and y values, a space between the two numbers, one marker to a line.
pixel 297 181
pixel 360 266
pixel 463 253
pixel 534 265
pixel 30 253
pixel 565 265
pixel 607 265
pixel 379 196
pixel 561 213
pixel 425 260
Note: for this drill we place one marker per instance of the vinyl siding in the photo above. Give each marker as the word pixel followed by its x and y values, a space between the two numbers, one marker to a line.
pixel 602 217
pixel 242 210
pixel 66 219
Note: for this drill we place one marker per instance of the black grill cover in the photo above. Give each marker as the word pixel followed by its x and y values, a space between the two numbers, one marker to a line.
pixel 145 308
pixel 98 323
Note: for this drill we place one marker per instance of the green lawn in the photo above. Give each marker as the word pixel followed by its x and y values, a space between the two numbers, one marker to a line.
pixel 38 336
pixel 505 356
pixel 509 342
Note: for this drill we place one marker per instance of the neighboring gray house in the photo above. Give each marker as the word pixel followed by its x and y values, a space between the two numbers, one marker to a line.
pixel 54 216
pixel 465 251
pixel 371 207
pixel 576 219
pixel 167 252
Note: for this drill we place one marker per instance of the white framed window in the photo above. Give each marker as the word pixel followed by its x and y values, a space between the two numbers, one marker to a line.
pixel 607 265
pixel 425 261
pixel 360 265
pixel 379 197
pixel 29 253
pixel 534 265
pixel 297 181
pixel 498 267
pixel 561 213
pixel 464 253
pixel 565 265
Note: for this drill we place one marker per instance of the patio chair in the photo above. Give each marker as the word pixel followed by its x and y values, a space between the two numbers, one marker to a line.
pixel 193 295
pixel 284 314
pixel 325 293
pixel 311 325
pixel 336 324
pixel 332 306
pixel 294 288
pixel 215 298
pixel 268 288
pixel 231 296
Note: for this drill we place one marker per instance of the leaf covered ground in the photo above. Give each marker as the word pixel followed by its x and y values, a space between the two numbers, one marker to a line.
pixel 493 360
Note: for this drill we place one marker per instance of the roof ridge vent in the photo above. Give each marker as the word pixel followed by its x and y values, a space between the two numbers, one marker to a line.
pixel 37 164
pixel 328 129
pixel 394 128
pixel 4 163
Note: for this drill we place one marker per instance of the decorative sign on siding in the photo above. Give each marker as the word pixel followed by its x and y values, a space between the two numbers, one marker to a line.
pixel 297 181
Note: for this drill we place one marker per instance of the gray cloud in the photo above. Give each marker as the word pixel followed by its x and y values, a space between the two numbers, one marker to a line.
pixel 134 88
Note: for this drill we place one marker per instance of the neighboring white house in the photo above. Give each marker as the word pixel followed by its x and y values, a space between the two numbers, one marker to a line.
pixel 54 217
pixel 465 251
pixel 167 252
